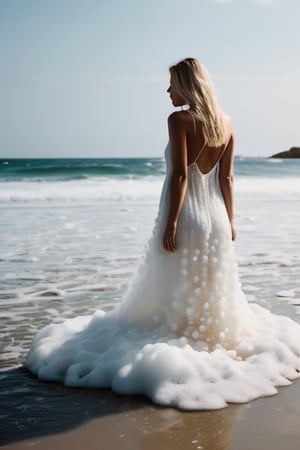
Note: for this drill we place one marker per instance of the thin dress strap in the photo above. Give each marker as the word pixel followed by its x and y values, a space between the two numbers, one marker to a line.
pixel 195 131
pixel 218 160
pixel 197 157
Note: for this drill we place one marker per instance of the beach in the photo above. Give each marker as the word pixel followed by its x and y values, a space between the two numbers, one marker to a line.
pixel 47 416
pixel 71 244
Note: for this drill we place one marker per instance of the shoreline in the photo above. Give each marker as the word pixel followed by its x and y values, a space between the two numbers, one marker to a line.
pixel 47 415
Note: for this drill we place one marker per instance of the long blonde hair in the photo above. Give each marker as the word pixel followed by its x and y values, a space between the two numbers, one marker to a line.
pixel 193 83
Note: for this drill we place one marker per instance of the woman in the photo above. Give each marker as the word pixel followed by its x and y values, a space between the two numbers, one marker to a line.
pixel 204 127
pixel 184 335
pixel 195 275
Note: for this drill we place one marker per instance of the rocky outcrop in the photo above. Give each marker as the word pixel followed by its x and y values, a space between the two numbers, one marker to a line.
pixel 293 152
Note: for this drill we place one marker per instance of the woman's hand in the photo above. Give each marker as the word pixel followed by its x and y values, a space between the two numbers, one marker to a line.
pixel 169 238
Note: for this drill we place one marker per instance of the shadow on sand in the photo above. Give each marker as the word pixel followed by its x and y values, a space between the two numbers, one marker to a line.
pixel 31 409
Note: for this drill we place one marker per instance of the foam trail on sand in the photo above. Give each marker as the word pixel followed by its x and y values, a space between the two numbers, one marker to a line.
pixel 96 351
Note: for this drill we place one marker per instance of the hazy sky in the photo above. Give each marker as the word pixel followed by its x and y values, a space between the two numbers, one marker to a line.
pixel 88 78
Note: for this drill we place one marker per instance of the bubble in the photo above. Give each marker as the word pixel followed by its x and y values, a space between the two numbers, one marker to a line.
pixel 195 258
pixel 212 248
pixel 183 341
pixel 215 241
pixel 197 251
pixel 189 312
pixel 214 260
pixel 184 262
pixel 209 321
pixel 198 291
pixel 222 335
pixel 203 284
pixel 185 251
pixel 191 300
pixel 206 305
pixel 139 356
pixel 202 328
pixel 196 278
pixel 204 258
pixel 183 272
pixel 195 335
pixel 125 370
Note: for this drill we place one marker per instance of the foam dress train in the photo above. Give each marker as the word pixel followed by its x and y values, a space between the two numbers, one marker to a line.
pixel 184 335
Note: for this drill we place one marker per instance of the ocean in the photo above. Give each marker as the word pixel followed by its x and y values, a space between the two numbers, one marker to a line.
pixel 73 230
pixel 101 180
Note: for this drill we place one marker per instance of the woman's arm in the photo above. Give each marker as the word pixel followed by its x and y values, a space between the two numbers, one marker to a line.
pixel 178 181
pixel 226 181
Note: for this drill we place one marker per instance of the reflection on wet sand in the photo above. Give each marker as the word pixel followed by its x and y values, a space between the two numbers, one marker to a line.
pixel 208 430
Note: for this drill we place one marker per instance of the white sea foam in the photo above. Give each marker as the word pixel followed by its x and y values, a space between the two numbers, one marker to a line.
pixel 79 191
pixel 268 187
pixel 120 190
pixel 94 351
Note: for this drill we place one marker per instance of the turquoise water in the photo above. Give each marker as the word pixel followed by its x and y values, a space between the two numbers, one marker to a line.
pixel 76 169
pixel 70 169
pixel 87 181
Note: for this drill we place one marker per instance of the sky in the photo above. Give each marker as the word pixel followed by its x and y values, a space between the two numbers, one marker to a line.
pixel 88 78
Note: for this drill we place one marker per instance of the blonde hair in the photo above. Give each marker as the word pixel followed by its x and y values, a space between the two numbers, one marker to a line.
pixel 193 83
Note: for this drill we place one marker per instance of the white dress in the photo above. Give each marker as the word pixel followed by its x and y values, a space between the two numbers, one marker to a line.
pixel 184 335
pixel 194 292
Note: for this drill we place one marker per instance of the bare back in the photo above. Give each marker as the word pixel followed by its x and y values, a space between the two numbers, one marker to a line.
pixel 206 157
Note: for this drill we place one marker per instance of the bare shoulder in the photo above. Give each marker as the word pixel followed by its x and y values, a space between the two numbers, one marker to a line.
pixel 179 119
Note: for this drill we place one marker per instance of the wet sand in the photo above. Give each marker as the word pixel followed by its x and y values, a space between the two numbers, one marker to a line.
pixel 50 416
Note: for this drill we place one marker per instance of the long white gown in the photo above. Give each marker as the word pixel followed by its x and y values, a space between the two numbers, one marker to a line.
pixel 184 335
